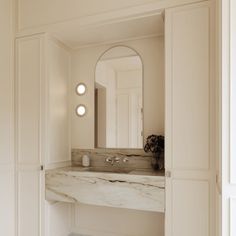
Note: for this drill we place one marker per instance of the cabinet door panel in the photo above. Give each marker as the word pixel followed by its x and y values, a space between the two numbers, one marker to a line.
pixel 30 121
pixel 28 101
pixel 228 119
pixel 28 203
pixel 189 114
pixel 190 88
pixel 190 208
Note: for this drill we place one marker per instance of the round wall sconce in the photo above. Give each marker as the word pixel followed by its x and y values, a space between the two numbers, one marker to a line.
pixel 81 89
pixel 81 110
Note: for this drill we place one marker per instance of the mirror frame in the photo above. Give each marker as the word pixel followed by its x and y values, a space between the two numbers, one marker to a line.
pixel 99 58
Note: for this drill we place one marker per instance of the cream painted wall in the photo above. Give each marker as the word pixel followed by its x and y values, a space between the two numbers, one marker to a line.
pixel 83 67
pixel 105 221
pixel 58 216
pixel 58 220
pixel 59 112
pixel 7 201
pixel 6 81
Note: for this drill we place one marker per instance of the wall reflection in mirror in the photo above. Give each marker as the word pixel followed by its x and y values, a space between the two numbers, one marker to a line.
pixel 119 99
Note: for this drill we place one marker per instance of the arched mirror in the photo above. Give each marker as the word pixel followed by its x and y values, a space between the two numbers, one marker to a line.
pixel 119 99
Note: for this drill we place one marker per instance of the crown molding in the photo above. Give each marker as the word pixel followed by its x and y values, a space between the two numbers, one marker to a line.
pixel 110 17
pixel 112 42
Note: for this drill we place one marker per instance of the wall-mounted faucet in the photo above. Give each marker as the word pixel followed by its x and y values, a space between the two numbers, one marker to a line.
pixel 113 160
pixel 109 160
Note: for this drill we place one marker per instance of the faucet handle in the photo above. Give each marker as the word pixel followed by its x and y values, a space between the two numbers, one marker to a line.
pixel 125 159
pixel 109 160
pixel 117 159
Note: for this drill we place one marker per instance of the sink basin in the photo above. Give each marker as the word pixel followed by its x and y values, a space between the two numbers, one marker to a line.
pixel 107 170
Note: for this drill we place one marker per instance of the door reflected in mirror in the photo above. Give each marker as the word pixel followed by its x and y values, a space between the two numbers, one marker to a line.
pixel 119 99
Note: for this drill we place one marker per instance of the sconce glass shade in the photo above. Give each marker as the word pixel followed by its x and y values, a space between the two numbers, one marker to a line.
pixel 81 89
pixel 81 110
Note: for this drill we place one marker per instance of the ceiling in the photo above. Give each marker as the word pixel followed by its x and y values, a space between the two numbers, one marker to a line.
pixel 109 33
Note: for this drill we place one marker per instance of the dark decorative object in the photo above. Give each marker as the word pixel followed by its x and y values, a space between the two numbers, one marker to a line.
pixel 156 145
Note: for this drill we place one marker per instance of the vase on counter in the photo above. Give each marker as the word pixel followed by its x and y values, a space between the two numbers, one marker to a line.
pixel 156 145
pixel 158 162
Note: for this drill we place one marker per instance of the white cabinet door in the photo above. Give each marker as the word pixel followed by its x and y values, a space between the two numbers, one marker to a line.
pixel 189 121
pixel 29 134
pixel 228 118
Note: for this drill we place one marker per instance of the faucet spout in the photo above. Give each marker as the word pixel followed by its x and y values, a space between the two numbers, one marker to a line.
pixel 112 160
pixel 109 160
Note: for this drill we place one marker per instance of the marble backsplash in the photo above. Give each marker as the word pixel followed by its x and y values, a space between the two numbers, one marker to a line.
pixel 137 158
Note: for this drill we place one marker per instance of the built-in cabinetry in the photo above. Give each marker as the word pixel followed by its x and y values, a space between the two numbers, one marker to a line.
pixel 189 124
pixel 228 119
pixel 190 120
pixel 42 124
pixel 30 134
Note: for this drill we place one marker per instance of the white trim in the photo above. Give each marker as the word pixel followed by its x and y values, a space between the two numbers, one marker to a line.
pixel 70 105
pixel 116 41
pixel 58 42
pixel 21 167
pixel 228 189
pixel 113 16
pixel 232 92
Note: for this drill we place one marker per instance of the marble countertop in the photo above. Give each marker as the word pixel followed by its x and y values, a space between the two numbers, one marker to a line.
pixel 140 189
pixel 109 171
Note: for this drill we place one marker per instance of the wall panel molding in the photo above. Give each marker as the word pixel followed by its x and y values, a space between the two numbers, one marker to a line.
pixel 232 216
pixel 59 18
pixel 232 92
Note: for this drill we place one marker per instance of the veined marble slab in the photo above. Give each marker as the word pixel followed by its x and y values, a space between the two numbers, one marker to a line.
pixel 136 190
pixel 137 157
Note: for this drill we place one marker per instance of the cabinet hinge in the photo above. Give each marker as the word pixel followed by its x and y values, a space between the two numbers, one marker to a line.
pixel 168 174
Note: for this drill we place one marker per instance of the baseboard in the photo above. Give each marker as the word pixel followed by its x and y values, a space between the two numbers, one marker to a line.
pixel 75 234
pixel 92 232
